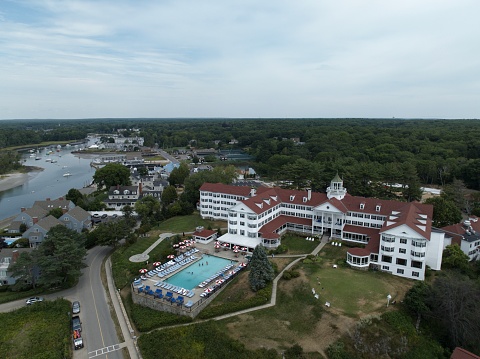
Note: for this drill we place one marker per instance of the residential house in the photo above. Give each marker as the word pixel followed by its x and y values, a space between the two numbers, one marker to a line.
pixel 49 204
pixel 466 235
pixel 120 196
pixel 8 256
pixel 38 232
pixel 77 219
pixel 27 216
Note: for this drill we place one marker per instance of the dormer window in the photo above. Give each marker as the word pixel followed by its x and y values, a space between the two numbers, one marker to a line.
pixel 126 191
pixel 304 199
pixel 362 205
pixel 116 191
pixel 292 198
pixel 377 208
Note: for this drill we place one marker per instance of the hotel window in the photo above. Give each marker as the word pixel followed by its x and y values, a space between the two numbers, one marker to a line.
pixel 415 274
pixel 417 264
pixel 362 205
pixel 387 259
pixel 386 268
pixel 377 208
pixel 403 240
pixel 400 271
pixel 401 261
pixel 402 250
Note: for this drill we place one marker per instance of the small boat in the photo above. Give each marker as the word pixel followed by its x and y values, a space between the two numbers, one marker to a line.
pixel 67 174
pixel 48 160
pixel 54 161
pixel 38 158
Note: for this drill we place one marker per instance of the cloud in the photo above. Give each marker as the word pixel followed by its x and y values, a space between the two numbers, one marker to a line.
pixel 76 59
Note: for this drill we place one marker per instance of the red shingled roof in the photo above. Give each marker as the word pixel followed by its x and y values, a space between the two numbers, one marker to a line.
pixel 460 353
pixel 359 252
pixel 272 226
pixel 410 214
pixel 270 197
pixel 374 234
pixel 226 189
pixel 205 233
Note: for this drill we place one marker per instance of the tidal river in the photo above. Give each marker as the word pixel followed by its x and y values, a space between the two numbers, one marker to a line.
pixel 62 170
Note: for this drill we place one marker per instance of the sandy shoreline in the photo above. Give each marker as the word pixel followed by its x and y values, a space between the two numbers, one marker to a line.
pixel 13 180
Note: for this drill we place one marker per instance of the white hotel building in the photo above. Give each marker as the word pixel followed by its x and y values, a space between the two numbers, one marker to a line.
pixel 396 237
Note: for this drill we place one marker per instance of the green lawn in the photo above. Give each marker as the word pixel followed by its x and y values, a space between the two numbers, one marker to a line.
pixel 182 224
pixel 298 245
pixel 41 330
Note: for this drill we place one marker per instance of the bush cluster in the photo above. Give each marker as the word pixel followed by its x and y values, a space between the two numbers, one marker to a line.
pixel 289 274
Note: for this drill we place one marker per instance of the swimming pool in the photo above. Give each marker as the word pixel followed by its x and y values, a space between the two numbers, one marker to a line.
pixel 197 272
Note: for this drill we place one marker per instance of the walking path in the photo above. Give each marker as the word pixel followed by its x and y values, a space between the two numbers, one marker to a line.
pixel 142 257
pixel 125 326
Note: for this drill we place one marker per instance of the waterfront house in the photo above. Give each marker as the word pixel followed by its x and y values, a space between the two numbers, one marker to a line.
pixel 77 219
pixel 38 232
pixel 120 196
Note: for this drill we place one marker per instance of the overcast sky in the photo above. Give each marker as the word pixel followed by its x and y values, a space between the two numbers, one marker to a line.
pixel 217 58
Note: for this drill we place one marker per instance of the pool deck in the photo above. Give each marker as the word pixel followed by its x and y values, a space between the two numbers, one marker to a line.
pixel 203 250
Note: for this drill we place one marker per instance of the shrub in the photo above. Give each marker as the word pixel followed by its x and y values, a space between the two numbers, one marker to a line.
pixel 290 274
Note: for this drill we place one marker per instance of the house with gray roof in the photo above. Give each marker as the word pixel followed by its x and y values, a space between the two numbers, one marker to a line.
pixel 77 219
pixel 27 216
pixel 8 256
pixel 120 196
pixel 38 232
pixel 49 204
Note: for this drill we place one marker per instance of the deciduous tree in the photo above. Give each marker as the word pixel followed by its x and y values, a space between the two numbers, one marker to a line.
pixel 112 174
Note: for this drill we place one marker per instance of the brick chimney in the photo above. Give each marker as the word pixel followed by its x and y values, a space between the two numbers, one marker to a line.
pixel 140 188
pixel 64 210
pixel 61 198
pixel 15 255
pixel 48 199
pixel 253 192
pixel 23 209
pixel 35 220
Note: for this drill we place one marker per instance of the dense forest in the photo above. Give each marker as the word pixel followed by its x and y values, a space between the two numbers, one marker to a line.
pixel 365 152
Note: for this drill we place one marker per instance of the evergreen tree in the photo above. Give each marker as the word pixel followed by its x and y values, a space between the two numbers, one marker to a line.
pixel 60 256
pixel 261 270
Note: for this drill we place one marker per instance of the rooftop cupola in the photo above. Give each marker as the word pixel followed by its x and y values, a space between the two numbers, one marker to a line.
pixel 336 189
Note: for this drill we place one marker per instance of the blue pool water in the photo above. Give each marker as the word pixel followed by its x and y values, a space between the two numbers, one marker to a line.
pixel 197 272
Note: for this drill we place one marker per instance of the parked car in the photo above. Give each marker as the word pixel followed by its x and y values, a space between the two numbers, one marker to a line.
pixel 77 340
pixel 114 215
pixel 95 215
pixel 76 323
pixel 76 307
pixel 33 300
pixel 104 216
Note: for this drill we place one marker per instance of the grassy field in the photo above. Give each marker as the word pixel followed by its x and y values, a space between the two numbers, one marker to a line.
pixel 300 318
pixel 38 331
pixel 298 245
pixel 182 224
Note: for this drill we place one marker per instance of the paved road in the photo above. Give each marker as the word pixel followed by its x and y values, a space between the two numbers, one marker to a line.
pixel 98 330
